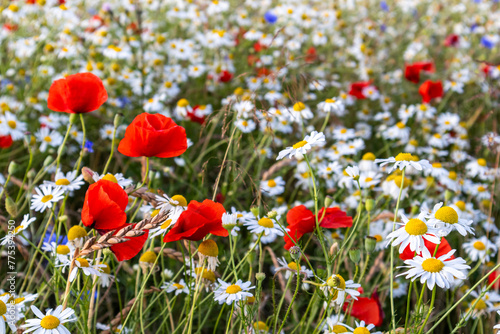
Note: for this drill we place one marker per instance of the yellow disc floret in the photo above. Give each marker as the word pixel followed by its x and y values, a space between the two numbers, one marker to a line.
pixel 432 265
pixel 300 144
pixel 415 226
pixel 181 200
pixel 266 222
pixel 209 248
pixel 76 232
pixel 447 214
pixel 404 157
pixel 50 322
pixel 148 257
pixel 232 289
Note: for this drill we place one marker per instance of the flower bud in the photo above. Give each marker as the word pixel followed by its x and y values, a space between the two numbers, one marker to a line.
pixel 12 167
pixel 448 195
pixel 72 118
pixel 328 201
pixel 355 255
pixel 370 204
pixel 334 248
pixel 370 244
pixel 272 214
pixel 31 174
pixel 260 276
pixel 11 207
pixel 48 160
pixel 117 120
pixel 88 175
pixel 255 211
pixel 295 252
pixel 107 252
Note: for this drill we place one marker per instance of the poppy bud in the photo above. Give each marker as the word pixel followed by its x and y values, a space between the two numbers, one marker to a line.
pixel 12 167
pixel 255 211
pixel 48 161
pixel 272 214
pixel 355 255
pixel 370 244
pixel 11 207
pixel 370 204
pixel 88 175
pixel 260 276
pixel 328 201
pixel 117 120
pixel 295 252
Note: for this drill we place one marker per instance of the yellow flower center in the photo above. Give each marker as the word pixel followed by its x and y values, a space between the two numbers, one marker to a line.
pixel 260 326
pixel 12 124
pixel 3 308
pixel 336 281
pixel 479 245
pixel 480 305
pixel 148 257
pixel 452 175
pixel 300 144
pixel 338 329
pixel 399 179
pixel 481 162
pixel 378 237
pixel 209 248
pixel 343 131
pixel 401 125
pixel 76 232
pixel 361 330
pixel 299 106
pixel 266 222
pixel 447 214
pixel 432 265
pixel 47 139
pixel 330 101
pixel 181 200
pixel 46 198
pixel 437 165
pixel 232 289
pixel 481 189
pixel 19 300
pixel 14 8
pixel 49 322
pixel 206 274
pixel 460 205
pixel 271 183
pixel 415 227
pixel 105 269
pixel 178 286
pixel 369 156
pixel 166 224
pixel 83 262
pixel 293 266
pixel 62 182
pixel 62 250
pixel 110 177
pixel 404 157
pixel 182 103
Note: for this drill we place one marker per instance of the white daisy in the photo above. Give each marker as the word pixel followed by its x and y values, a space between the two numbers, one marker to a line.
pixel 116 178
pixel 413 232
pixel 446 219
pixel 334 325
pixel 48 138
pixel 364 328
pixel 19 229
pixel 299 149
pixel 480 249
pixel 68 181
pixel 264 225
pixel 339 288
pixel 181 287
pixel 85 266
pixel 403 160
pixel 291 269
pixel 51 323
pixel 4 308
pixel 273 187
pixel 46 196
pixel 439 271
pixel 61 253
pixel 230 293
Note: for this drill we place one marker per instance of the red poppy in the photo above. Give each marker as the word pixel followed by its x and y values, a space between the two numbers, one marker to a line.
pixel 153 135
pixel 197 221
pixel 430 90
pixel 76 94
pixel 259 47
pixel 252 60
pixel 357 89
pixel 492 277
pixel 366 309
pixel 194 117
pixel 263 72
pixel 444 248
pixel 5 141
pixel 128 249
pixel 301 220
pixel 225 76
pixel 311 55
pixel 412 72
pixel 104 206
pixel 451 40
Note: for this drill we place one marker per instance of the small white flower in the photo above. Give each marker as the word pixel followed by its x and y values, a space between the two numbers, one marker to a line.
pixel 50 323
pixel 264 225
pixel 446 219
pixel 68 181
pixel 273 187
pixel 46 196
pixel 299 149
pixel 230 293
pixel 339 288
pixel 403 160
pixel 480 249
pixel 181 287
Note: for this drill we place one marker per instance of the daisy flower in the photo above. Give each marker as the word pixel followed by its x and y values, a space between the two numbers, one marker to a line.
pixel 446 219
pixel 291 269
pixel 116 178
pixel 230 221
pixel 4 308
pixel 50 323
pixel 23 226
pixel 48 138
pixel 364 328
pixel 413 232
pixel 264 225
pixel 403 160
pixel 480 249
pixel 106 278
pixel 175 204
pixel 439 271
pixel 60 252
pixel 69 181
pixel 85 266
pixel 300 148
pixel 339 288
pixel 273 187
pixel 179 288
pixel 45 196
pixel 334 325
pixel 230 293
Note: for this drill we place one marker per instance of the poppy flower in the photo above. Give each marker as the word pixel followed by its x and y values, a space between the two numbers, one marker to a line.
pixel 311 55
pixel 128 249
pixel 357 89
pixel 367 309
pixel 444 248
pixel 104 206
pixel 77 94
pixel 451 40
pixel 153 135
pixel 198 220
pixel 194 117
pixel 412 72
pixel 225 76
pixel 5 141
pixel 301 220
pixel 430 90
pixel 492 277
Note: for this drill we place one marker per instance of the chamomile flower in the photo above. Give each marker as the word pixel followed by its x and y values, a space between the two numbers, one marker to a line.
pixel 433 271
pixel 265 226
pixel 48 138
pixel 174 205
pixel 19 229
pixel 85 266
pixel 45 197
pixel 364 328
pixel 403 160
pixel 230 221
pixel 69 181
pixel 51 322
pixel 446 219
pixel 291 269
pixel 412 233
pixel 77 236
pixel 61 253
pixel 116 178
pixel 340 288
pixel 480 249
pixel 232 293
pixel 300 148
pixel 273 187
pixel 334 325
pixel 181 287
pixel 106 278
pixel 4 308
pixel 208 250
